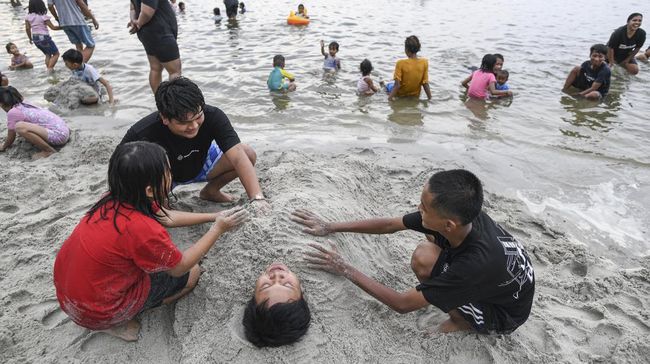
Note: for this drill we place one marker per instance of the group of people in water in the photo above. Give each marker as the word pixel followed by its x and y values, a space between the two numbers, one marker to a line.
pixel 120 260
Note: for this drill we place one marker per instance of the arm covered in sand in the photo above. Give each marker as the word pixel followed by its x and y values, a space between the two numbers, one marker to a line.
pixel 225 221
pixel 315 225
pixel 331 261
pixel 11 137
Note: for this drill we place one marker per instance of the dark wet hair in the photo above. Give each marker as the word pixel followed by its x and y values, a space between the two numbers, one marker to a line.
pixel 37 7
pixel 503 73
pixel 598 48
pixel 178 97
pixel 280 324
pixel 73 56
pixel 456 193
pixel 9 96
pixel 499 56
pixel 334 45
pixel 278 60
pixel 132 168
pixel 633 15
pixel 412 44
pixel 181 5
pixel 365 67
pixel 488 62
pixel 9 45
pixel 299 5
pixel 216 11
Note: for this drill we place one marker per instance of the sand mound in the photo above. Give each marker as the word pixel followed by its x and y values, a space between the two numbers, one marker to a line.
pixel 587 309
pixel 68 94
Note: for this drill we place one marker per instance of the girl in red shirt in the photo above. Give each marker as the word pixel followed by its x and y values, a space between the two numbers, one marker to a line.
pixel 120 260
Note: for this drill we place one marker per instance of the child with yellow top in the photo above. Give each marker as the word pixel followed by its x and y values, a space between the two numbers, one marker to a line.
pixel 411 73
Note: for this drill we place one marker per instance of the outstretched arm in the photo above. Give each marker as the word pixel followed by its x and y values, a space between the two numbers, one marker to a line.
pixel 11 137
pixel 331 261
pixel 175 218
pixel 109 89
pixel 466 81
pixel 322 48
pixel 53 12
pixel 315 225
pixel 52 26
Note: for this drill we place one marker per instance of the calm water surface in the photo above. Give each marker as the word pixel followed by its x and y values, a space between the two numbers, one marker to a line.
pixel 582 166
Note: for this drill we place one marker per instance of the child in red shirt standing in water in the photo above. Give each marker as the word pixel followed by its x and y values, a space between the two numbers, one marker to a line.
pixel 120 260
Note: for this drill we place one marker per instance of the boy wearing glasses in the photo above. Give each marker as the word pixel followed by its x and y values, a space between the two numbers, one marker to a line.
pixel 201 144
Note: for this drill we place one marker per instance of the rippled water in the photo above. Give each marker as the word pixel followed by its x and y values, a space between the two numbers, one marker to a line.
pixel 580 164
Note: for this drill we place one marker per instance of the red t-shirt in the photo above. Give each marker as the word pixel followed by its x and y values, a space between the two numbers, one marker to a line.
pixel 101 275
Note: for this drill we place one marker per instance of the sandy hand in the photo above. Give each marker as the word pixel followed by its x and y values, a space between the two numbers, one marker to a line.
pixel 314 225
pixel 261 207
pixel 326 259
pixel 228 219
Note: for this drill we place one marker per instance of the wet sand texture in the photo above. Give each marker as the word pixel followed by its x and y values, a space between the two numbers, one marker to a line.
pixel 587 309
pixel 68 94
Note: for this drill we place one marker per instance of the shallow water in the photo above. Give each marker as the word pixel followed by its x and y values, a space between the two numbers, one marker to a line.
pixel 579 164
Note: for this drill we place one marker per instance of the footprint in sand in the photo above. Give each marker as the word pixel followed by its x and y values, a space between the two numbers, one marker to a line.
pixel 604 340
pixel 9 209
pixel 637 324
pixel 582 313
pixel 47 313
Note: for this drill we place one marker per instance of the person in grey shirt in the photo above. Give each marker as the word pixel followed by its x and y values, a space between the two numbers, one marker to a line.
pixel 70 15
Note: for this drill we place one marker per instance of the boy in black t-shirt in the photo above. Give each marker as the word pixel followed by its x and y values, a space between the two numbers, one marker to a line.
pixel 593 77
pixel 469 266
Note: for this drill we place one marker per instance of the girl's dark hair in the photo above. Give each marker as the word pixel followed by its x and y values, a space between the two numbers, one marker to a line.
pixel 488 62
pixel 8 46
pixel 178 97
pixel 216 11
pixel 37 7
pixel 365 67
pixel 132 168
pixel 412 44
pixel 633 15
pixel 9 96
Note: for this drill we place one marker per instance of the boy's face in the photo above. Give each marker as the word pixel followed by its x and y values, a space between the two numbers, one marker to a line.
pixel 301 8
pixel 333 51
pixel 432 219
pixel 188 127
pixel 597 59
pixel 499 65
pixel 72 66
pixel 13 50
pixel 501 78
pixel 277 284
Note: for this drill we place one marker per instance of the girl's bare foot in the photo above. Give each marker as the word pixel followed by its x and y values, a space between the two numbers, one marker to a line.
pixel 127 331
pixel 216 196
pixel 40 155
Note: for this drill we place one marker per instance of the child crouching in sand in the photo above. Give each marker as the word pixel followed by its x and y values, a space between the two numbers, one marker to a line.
pixel 40 127
pixel 120 259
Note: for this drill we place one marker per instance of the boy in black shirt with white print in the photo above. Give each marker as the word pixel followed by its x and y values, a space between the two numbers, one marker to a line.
pixel 592 77
pixel 470 267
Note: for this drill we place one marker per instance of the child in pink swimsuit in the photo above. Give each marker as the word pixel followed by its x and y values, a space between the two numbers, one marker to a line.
pixel 483 81
pixel 38 126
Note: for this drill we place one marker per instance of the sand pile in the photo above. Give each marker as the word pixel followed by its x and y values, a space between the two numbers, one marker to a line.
pixel 67 94
pixel 587 309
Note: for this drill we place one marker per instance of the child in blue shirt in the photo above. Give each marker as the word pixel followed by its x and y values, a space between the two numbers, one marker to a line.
pixel 279 79
pixel 502 80
pixel 331 62
pixel 84 72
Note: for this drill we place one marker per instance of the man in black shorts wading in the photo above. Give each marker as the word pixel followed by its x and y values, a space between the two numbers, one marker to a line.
pixel 469 267
pixel 155 23
pixel 201 144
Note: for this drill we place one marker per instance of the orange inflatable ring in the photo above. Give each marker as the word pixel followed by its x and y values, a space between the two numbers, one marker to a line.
pixel 294 19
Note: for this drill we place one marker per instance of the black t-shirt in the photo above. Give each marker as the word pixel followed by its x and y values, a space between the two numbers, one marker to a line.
pixel 623 45
pixel 163 20
pixel 186 156
pixel 589 75
pixel 490 267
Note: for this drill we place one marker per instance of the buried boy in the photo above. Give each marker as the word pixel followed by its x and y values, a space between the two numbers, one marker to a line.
pixel 469 266
pixel 592 77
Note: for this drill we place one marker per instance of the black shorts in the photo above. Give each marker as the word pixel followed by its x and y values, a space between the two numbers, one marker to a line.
pixel 162 46
pixel 485 318
pixel 162 286
pixel 232 10
pixel 582 84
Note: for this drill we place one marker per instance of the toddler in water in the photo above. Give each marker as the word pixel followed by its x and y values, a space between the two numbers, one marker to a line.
pixel 36 23
pixel 302 11
pixel 40 127
pixel 181 7
pixel 242 8
pixel 217 16
pixel 483 81
pixel 331 62
pixel 18 61
pixel 502 80
pixel 279 79
pixel 365 86
pixel 84 72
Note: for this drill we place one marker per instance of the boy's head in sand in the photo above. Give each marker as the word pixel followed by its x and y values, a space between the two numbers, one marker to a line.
pixel 278 313
pixel 73 59
pixel 9 97
pixel 180 104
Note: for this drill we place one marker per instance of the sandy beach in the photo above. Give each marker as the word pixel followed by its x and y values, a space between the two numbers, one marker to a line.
pixel 587 308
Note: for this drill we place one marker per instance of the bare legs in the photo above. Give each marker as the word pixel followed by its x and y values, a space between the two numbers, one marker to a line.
pixel 156 67
pixel 221 175
pixel 423 260
pixel 85 52
pixel 37 135
pixel 573 75
pixel 50 61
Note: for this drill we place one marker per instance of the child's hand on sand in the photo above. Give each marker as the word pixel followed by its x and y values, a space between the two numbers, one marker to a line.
pixel 314 225
pixel 228 219
pixel 326 259
pixel 261 206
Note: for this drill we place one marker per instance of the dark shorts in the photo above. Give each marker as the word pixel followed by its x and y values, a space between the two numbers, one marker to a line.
pixel 632 60
pixel 162 46
pixel 162 286
pixel 232 10
pixel 211 159
pixel 78 34
pixel 581 83
pixel 483 317
pixel 45 43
